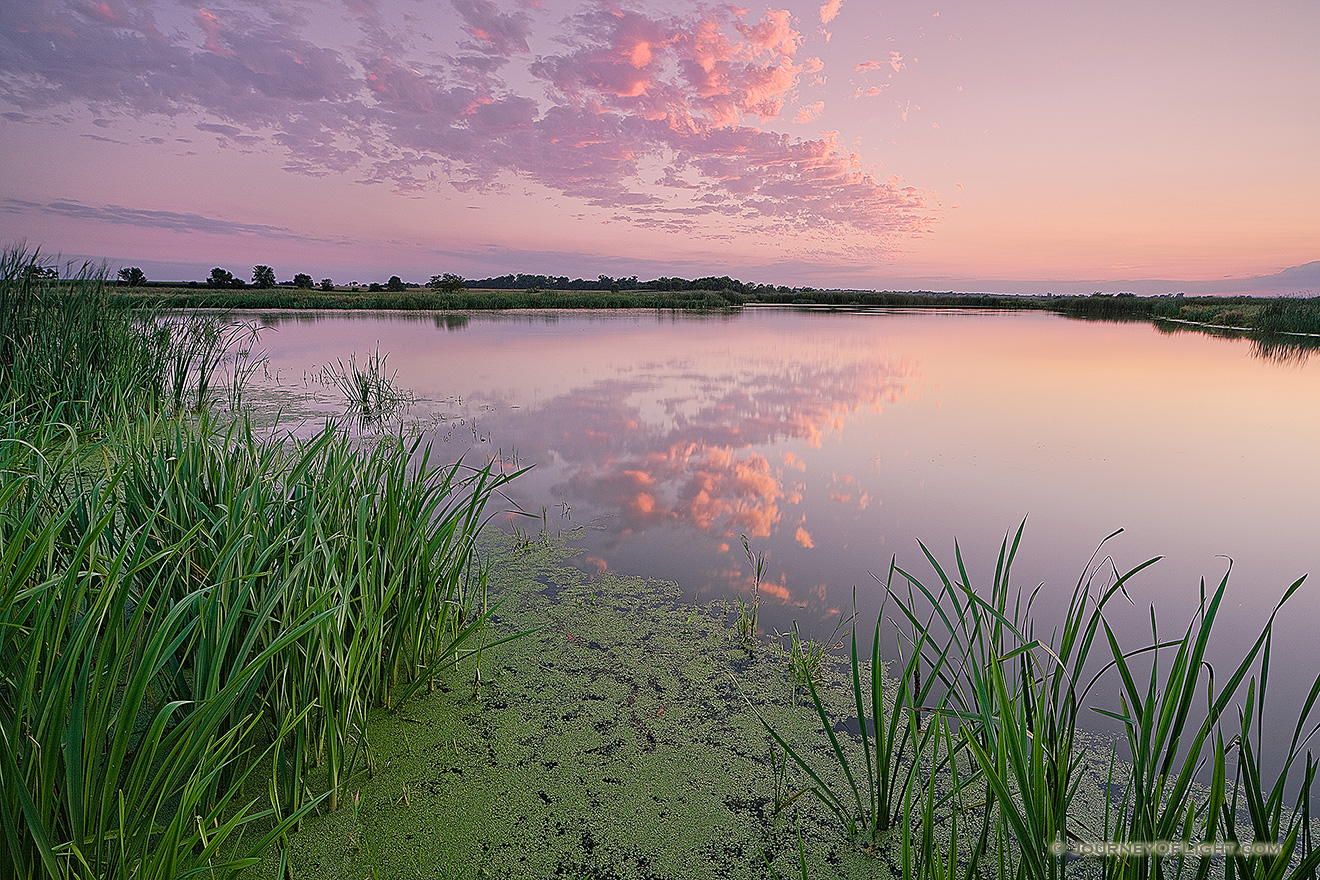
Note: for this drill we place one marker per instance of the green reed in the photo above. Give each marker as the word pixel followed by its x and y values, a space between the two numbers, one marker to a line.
pixel 748 612
pixel 989 785
pixel 69 344
pixel 869 803
pixel 62 344
pixel 371 396
pixel 208 605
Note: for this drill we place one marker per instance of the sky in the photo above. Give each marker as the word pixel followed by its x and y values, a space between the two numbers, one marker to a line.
pixel 1009 146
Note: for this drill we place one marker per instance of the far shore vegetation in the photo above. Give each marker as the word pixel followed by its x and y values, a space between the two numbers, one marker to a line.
pixel 1270 316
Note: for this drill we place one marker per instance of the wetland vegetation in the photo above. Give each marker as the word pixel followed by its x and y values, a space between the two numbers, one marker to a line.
pixel 194 618
pixel 1282 325
pixel 225 652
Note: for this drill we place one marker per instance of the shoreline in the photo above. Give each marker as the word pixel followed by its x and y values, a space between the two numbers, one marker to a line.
pixel 1291 322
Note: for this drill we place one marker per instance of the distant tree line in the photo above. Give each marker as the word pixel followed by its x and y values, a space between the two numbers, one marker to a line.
pixel 522 281
pixel 733 290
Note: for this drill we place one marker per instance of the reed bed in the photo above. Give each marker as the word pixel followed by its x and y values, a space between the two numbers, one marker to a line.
pixel 195 619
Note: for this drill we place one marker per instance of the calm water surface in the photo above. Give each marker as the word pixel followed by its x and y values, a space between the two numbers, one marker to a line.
pixel 836 440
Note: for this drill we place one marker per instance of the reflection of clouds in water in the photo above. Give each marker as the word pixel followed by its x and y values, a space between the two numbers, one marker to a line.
pixel 684 449
pixel 845 489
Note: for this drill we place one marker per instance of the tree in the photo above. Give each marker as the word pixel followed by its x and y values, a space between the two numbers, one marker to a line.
pixel 327 284
pixel 302 280
pixel 221 278
pixel 263 277
pixel 132 276
pixel 395 283
pixel 447 283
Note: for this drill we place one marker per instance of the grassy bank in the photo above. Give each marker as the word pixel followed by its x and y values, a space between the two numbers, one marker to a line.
pixel 196 620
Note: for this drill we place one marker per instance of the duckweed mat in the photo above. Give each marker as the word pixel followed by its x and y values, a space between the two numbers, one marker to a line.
pixel 616 741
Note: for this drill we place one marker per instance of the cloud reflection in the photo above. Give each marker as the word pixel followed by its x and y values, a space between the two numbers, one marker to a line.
pixel 697 452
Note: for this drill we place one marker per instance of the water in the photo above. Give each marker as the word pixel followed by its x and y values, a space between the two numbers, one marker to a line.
pixel 834 441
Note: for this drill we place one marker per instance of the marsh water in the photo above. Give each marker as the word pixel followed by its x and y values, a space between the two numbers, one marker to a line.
pixel 834 441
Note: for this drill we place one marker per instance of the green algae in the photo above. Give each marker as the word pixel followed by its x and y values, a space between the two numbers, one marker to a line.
pixel 617 740
pixel 614 741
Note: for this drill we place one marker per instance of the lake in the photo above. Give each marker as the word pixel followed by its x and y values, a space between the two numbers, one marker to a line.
pixel 835 440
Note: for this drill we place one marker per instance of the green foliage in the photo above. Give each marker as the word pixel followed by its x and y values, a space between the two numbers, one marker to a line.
pixel 64 347
pixel 395 284
pixel 372 398
pixel 1289 315
pixel 195 621
pixel 132 276
pixel 871 803
pixel 223 279
pixel 749 611
pixel 447 283
pixel 466 300
pixel 263 277
pixel 207 607
pixel 327 284
pixel 303 281
pixel 807 656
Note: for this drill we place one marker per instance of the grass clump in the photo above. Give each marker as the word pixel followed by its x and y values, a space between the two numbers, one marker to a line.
pixel 748 612
pixel 371 397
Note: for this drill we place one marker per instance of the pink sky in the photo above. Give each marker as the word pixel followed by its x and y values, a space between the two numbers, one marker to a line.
pixel 965 146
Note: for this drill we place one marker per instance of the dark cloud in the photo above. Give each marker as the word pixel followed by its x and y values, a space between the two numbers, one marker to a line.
pixel 223 130
pixel 494 32
pixel 172 220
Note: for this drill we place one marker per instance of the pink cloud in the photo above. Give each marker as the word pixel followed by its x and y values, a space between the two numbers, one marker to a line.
pixel 829 10
pixel 102 11
pixel 681 97
pixel 867 65
pixel 213 29
pixel 774 33
pixel 809 112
